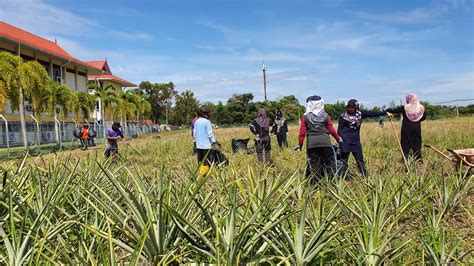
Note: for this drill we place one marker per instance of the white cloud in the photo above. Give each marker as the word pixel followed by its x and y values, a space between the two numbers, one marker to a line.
pixel 418 15
pixel 43 19
pixel 132 36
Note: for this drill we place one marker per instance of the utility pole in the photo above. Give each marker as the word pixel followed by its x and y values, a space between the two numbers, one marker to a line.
pixel 264 68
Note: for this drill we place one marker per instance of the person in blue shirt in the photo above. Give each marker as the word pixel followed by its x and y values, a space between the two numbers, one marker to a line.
pixel 204 138
pixel 198 114
pixel 349 129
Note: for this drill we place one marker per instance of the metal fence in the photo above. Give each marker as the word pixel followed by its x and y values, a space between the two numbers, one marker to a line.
pixel 40 134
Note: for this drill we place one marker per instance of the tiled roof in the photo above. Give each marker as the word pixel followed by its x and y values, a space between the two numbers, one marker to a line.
pixel 101 64
pixel 121 81
pixel 29 39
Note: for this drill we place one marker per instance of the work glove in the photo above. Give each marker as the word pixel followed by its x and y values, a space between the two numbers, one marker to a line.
pixel 340 141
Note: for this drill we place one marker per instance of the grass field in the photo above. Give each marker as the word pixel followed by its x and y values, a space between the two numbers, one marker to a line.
pixel 72 208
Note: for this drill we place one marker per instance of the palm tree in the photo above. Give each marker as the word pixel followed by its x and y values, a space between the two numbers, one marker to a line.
pixel 84 105
pixel 35 85
pixel 3 96
pixel 59 98
pixel 19 77
pixel 107 95
pixel 143 105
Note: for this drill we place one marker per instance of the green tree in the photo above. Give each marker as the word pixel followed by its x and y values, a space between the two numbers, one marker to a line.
pixel 19 78
pixel 160 96
pixel 185 108
pixel 291 108
pixel 35 85
pixel 58 101
pixel 107 97
pixel 83 104
pixel 240 106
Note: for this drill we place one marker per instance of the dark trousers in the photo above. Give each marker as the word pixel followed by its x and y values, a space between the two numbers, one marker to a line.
pixel 359 157
pixel 194 148
pixel 111 152
pixel 203 156
pixel 321 160
pixel 84 143
pixel 263 145
pixel 281 138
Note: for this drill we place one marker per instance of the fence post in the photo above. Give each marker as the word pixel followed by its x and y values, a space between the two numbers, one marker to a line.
pixel 38 132
pixel 6 134
pixel 59 130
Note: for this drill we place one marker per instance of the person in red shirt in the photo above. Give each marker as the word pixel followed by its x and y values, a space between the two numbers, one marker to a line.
pixel 316 126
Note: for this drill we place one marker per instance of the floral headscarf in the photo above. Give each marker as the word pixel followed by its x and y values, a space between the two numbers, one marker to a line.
pixel 414 110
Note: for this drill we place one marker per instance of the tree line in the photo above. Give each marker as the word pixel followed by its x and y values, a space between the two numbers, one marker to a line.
pixel 171 107
pixel 22 81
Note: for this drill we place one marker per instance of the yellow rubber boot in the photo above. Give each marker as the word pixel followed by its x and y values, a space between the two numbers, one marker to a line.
pixel 203 170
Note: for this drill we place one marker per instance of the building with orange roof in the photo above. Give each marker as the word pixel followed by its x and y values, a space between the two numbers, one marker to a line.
pixel 61 66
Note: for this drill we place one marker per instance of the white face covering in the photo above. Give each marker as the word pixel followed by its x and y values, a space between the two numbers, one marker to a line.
pixel 314 107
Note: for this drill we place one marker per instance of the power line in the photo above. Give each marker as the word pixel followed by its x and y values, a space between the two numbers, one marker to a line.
pixel 457 100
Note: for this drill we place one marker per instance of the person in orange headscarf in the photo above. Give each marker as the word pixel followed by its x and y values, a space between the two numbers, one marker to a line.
pixel 413 114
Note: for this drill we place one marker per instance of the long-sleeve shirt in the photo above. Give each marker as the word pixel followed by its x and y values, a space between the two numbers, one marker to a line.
pixel 407 124
pixel 203 134
pixel 329 126
pixel 279 127
pixel 351 135
pixel 111 136
pixel 256 129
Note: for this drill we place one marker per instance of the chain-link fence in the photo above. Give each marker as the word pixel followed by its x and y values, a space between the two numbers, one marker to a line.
pixel 44 135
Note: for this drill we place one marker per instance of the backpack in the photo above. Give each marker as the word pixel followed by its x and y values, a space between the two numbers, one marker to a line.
pixel 77 132
pixel 92 133
pixel 239 144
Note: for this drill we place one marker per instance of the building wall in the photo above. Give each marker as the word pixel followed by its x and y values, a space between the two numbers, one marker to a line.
pixel 81 83
pixel 70 80
pixel 117 87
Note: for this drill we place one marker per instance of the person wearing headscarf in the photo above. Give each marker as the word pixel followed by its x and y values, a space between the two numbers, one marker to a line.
pixel 316 126
pixel 349 129
pixel 280 129
pixel 413 113
pixel 260 127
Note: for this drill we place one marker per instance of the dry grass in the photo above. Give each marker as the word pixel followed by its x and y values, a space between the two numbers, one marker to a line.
pixel 427 214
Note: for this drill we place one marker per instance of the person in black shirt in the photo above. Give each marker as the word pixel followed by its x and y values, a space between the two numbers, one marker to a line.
pixel 349 129
pixel 280 129
pixel 260 127
pixel 413 114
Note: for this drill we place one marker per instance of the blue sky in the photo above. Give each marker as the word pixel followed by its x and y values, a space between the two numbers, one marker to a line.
pixel 375 51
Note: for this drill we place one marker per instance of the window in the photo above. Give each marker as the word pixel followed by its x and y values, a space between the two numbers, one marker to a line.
pixel 57 74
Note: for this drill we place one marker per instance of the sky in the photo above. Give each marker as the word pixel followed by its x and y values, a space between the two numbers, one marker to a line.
pixel 374 51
